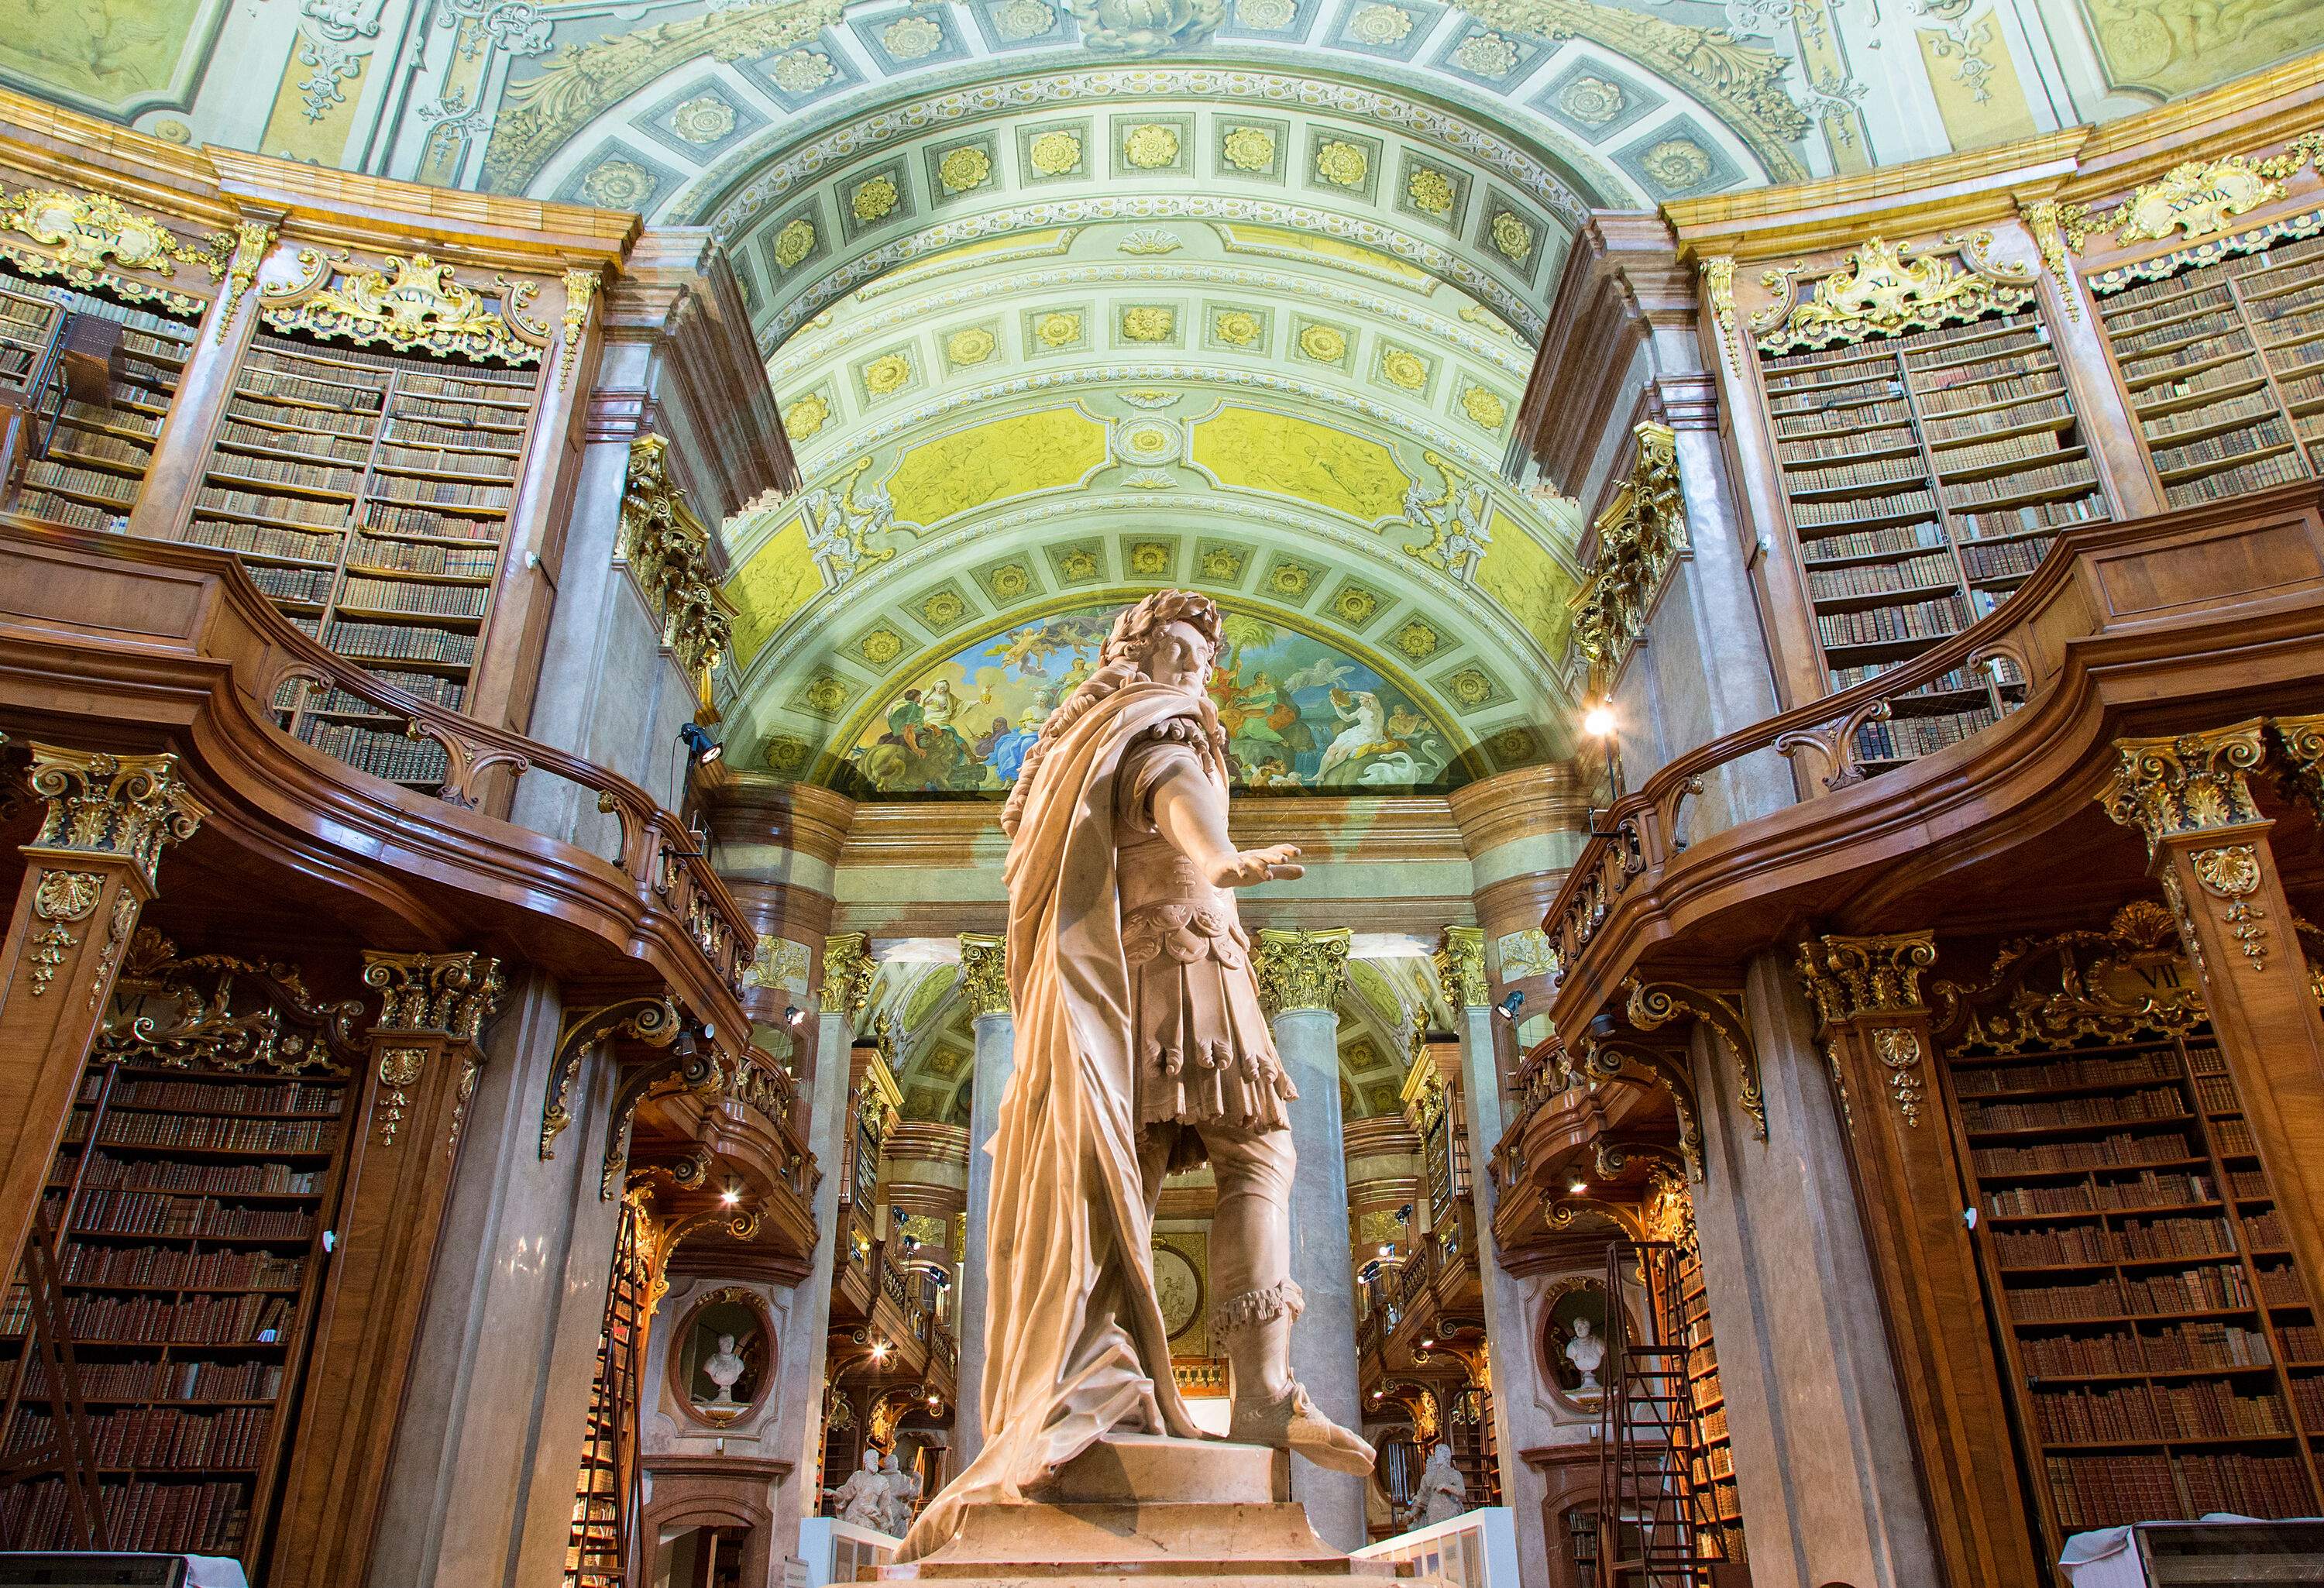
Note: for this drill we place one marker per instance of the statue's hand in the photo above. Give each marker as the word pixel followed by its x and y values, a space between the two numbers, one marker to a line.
pixel 1271 865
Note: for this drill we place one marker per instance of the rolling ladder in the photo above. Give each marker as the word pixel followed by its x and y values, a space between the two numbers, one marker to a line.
pixel 1647 1499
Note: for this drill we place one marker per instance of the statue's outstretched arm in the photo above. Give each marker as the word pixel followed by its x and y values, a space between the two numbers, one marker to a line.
pixel 1190 811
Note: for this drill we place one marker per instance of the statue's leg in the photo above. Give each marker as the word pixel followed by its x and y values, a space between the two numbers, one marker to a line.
pixel 1250 1266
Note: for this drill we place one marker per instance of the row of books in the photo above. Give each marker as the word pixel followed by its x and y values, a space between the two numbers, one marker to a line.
pixel 2204 1408
pixel 257 380
pixel 2151 1103
pixel 1833 442
pixel 2124 1150
pixel 2118 1069
pixel 2209 1287
pixel 76 515
pixel 147 1213
pixel 296 510
pixel 158 1439
pixel 220 1096
pixel 427 600
pixel 2251 405
pixel 2049 480
pixel 383 518
pixel 234 468
pixel 432 686
pixel 191 1518
pixel 1983 454
pixel 2008 560
pixel 2216 1094
pixel 216 1179
pixel 73 442
pixel 310 584
pixel 403 426
pixel 238 1135
pixel 264 540
pixel 1866 475
pixel 2099 1243
pixel 177 1380
pixel 2148 1190
pixel 2224 448
pixel 2112 1491
pixel 422 557
pixel 2029 515
pixel 175 1265
pixel 109 488
pixel 258 411
pixel 336 448
pixel 1917 620
pixel 493 465
pixel 397 643
pixel 202 1320
pixel 1809 515
pixel 418 490
pixel 1877 578
pixel 2174 1349
pixel 2246 1485
pixel 393 756
pixel 1899 539
pixel 2167 395
pixel 1909 737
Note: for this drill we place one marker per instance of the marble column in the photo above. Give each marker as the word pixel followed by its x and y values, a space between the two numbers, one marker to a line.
pixel 1300 976
pixel 797 1434
pixel 480 1489
pixel 1824 1461
pixel 1509 1330
pixel 984 979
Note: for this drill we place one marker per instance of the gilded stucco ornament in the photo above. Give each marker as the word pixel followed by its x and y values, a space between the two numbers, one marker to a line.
pixel 89 230
pixel 1300 970
pixel 846 974
pixel 2187 783
pixel 2132 981
pixel 2198 197
pixel 2231 873
pixel 1884 288
pixel 1851 978
pixel 580 292
pixel 62 900
pixel 984 974
pixel 415 304
pixel 667 549
pixel 1641 536
pixel 225 1013
pixel 1718 274
pixel 252 239
pixel 2057 230
pixel 1460 961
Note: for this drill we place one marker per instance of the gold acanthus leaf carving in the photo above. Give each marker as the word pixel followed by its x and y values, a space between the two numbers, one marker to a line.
pixel 2058 230
pixel 1885 287
pixel 251 240
pixel 2198 197
pixel 414 304
pixel 90 229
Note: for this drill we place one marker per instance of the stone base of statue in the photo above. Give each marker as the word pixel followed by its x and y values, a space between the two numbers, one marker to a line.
pixel 1135 1506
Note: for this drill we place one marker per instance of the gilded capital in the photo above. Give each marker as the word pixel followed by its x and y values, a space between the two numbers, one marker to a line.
pixel 1460 967
pixel 2190 783
pixel 1851 977
pixel 846 974
pixel 126 805
pixel 1301 970
pixel 435 994
pixel 984 973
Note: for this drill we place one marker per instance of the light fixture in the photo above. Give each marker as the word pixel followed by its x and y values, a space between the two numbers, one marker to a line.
pixel 1598 722
pixel 879 1352
pixel 1404 1214
pixel 732 1194
pixel 1507 1007
pixel 1388 1250
pixel 1428 1343
pixel 699 744
pixel 1578 1187
pixel 794 1016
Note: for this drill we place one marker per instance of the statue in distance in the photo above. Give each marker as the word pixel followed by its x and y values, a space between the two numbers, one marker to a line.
pixel 1141 1050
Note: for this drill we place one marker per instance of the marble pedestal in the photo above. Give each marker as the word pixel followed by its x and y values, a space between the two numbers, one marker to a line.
pixel 1133 1508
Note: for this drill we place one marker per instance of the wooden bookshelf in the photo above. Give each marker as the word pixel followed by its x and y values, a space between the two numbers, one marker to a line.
pixel 95 455
pixel 1718 1507
pixel 2149 1320
pixel 1924 474
pixel 369 494
pixel 190 1268
pixel 2224 366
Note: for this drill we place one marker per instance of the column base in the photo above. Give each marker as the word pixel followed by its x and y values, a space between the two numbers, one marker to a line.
pixel 1133 1508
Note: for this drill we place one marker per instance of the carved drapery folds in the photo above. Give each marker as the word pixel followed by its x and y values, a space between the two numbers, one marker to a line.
pixel 1301 970
pixel 1460 960
pixel 1641 536
pixel 120 805
pixel 668 549
pixel 984 974
pixel 1652 1005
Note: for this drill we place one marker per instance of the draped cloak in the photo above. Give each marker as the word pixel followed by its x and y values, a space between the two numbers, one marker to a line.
pixel 1076 1346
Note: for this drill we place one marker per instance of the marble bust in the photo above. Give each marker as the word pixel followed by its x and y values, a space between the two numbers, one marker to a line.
pixel 1141 1050
pixel 1587 1353
pixel 722 1368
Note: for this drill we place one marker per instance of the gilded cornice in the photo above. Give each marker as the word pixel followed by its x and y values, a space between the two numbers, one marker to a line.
pixel 448 996
pixel 1460 961
pixel 1641 537
pixel 846 974
pixel 125 806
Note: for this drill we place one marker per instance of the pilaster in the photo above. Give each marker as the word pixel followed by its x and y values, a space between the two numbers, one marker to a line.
pixel 1875 1032
pixel 2211 850
pixel 87 875
pixel 984 981
pixel 427 1048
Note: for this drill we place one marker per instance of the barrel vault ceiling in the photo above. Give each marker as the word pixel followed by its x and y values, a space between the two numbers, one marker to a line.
pixel 1064 300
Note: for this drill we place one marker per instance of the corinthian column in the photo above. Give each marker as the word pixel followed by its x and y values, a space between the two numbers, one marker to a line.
pixel 2208 846
pixel 984 979
pixel 427 1047
pixel 1874 1028
pixel 87 877
pixel 1300 975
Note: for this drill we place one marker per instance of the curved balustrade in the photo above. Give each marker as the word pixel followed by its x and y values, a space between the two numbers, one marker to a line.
pixel 69 597
pixel 2208 570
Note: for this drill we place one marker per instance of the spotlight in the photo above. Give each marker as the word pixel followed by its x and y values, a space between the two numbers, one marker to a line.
pixel 879 1352
pixel 794 1016
pixel 1428 1343
pixel 1578 1187
pixel 730 1196
pixel 1404 1214
pixel 699 744
pixel 1388 1250
pixel 1507 1007
pixel 1597 722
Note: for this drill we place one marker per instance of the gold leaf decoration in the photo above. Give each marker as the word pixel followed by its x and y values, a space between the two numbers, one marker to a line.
pixel 1887 288
pixel 414 305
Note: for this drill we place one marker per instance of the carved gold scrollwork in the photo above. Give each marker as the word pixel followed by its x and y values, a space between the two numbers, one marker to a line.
pixel 79 234
pixel 984 974
pixel 1718 274
pixel 448 996
pixel 1608 1058
pixel 2198 197
pixel 252 239
pixel 846 974
pixel 667 549
pixel 127 806
pixel 2131 981
pixel 398 1067
pixel 1847 978
pixel 1888 287
pixel 1899 1050
pixel 2058 230
pixel 415 304
pixel 223 1012
pixel 1652 1005
pixel 62 900
pixel 1300 970
pixel 2188 783
pixel 1641 537
pixel 651 1020
pixel 580 292
pixel 1460 961
pixel 2231 873
pixel 689 1065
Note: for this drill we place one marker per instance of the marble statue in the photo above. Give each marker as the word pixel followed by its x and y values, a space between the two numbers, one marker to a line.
pixel 1441 1493
pixel 902 1489
pixel 1587 1353
pixel 1141 1050
pixel 864 1498
pixel 722 1368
